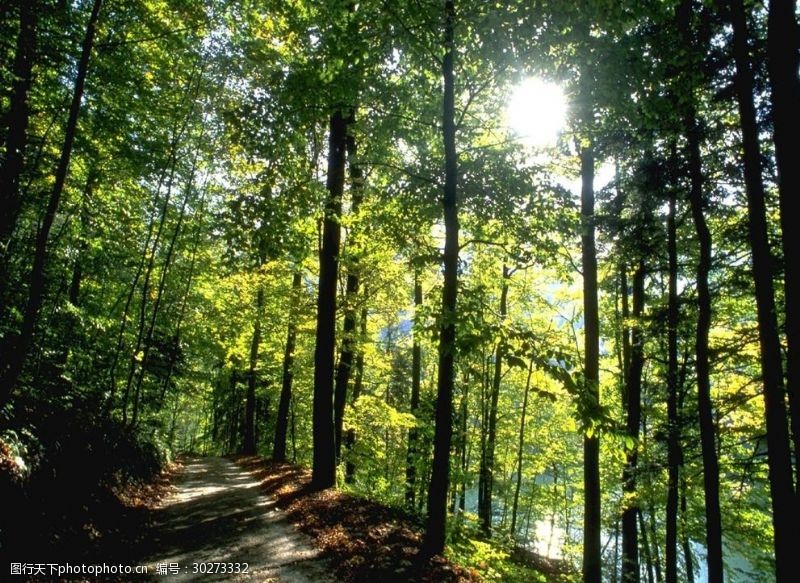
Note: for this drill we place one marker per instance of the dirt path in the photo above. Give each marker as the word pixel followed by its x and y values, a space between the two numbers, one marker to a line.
pixel 219 515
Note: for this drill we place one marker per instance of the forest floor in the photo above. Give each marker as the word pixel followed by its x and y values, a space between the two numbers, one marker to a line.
pixel 218 519
pixel 364 542
pixel 217 514
pixel 265 515
pixel 211 514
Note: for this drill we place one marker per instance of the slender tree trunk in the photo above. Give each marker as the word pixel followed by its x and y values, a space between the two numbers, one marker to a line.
pixel 349 344
pixel 673 422
pixel 648 556
pixel 233 411
pixel 615 568
pixel 460 444
pixel 324 458
pixel 687 548
pixel 433 542
pixel 293 430
pixel 626 338
pixel 249 436
pixel 112 374
pixel 592 549
pixel 282 420
pixel 630 538
pixel 162 282
pixel 520 447
pixel 17 127
pixel 16 349
pixel 77 266
pixel 145 266
pixel 697 205
pixel 484 411
pixel 70 321
pixel 463 413
pixel 783 59
pixel 185 298
pixel 416 378
pixel 350 437
pixel 784 503
pixel 150 255
pixel 487 461
pixel 651 512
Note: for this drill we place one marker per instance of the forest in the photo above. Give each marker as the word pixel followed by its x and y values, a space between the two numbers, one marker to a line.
pixel 520 270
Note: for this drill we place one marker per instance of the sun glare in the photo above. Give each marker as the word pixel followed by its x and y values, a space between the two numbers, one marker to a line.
pixel 536 112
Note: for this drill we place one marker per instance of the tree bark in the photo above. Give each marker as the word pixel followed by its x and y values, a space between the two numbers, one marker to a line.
pixel 784 503
pixel 324 457
pixel 282 420
pixel 350 437
pixel 685 541
pixel 16 348
pixel 697 204
pixel 416 379
pixel 249 436
pixel 520 446
pixel 633 409
pixel 648 556
pixel 487 460
pixel 17 124
pixel 673 422
pixel 782 61
pixel 433 542
pixel 592 549
pixel 348 349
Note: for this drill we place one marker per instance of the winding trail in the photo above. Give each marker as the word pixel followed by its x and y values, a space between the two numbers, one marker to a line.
pixel 219 515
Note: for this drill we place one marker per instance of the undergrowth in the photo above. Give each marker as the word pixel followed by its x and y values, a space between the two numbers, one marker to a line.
pixel 61 476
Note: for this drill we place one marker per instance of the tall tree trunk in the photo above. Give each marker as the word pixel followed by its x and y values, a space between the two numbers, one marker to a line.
pixel 626 338
pixel 112 369
pixel 783 59
pixel 487 461
pixel 185 298
pixel 520 446
pixel 249 436
pixel 350 437
pixel 162 282
pixel 16 348
pixel 686 543
pixel 697 204
pixel 416 379
pixel 150 255
pixel 349 344
pixel 145 267
pixel 324 458
pixel 77 266
pixel 463 460
pixel 784 503
pixel 592 549
pixel 648 556
pixel 673 422
pixel 17 127
pixel 633 409
pixel 433 542
pixel 651 512
pixel 282 420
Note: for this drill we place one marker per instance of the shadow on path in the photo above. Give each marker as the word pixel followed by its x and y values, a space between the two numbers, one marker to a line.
pixel 219 515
